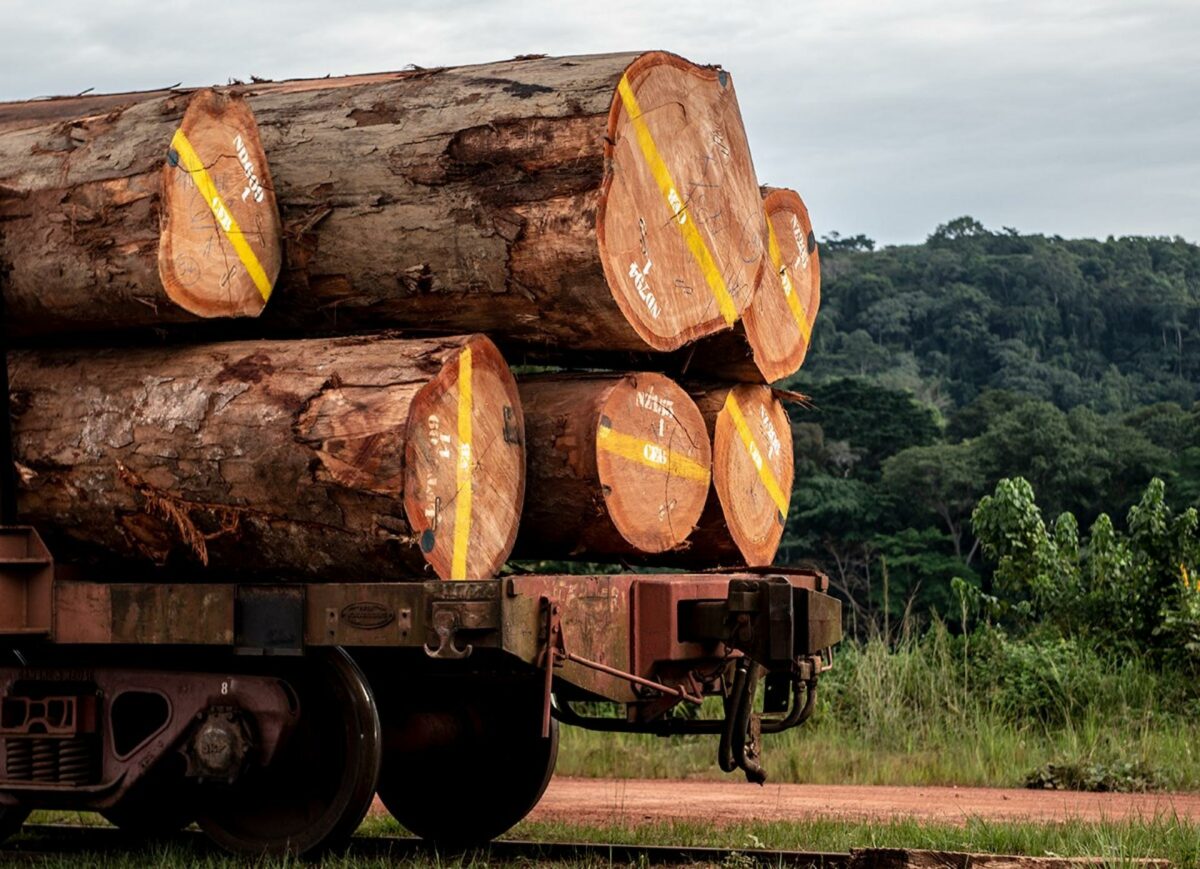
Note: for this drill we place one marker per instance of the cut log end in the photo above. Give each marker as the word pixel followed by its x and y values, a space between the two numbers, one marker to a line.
pixel 779 322
pixel 654 458
pixel 465 464
pixel 680 227
pixel 752 470
pixel 220 242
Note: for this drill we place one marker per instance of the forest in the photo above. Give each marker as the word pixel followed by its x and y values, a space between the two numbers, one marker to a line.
pixel 940 370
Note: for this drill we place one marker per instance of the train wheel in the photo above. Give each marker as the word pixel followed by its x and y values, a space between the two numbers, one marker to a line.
pixel 319 785
pixel 480 773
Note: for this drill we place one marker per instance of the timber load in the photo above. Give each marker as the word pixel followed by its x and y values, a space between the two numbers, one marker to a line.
pixel 771 340
pixel 603 202
pixel 150 212
pixel 619 466
pixel 309 460
pixel 752 472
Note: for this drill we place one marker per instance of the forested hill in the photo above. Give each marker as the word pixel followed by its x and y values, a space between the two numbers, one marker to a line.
pixel 1112 325
pixel 939 369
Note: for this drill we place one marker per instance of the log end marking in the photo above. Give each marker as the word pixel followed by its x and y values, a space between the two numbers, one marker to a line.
pixel 752 470
pixel 680 226
pixel 654 460
pixel 779 321
pixel 220 240
pixel 465 475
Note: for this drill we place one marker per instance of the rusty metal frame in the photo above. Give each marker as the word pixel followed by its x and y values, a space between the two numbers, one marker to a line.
pixel 188 695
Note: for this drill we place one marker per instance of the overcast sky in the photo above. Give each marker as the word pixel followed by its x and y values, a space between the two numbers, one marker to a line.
pixel 1067 117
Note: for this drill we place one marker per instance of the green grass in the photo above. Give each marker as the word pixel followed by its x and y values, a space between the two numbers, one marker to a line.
pixel 1164 837
pixel 936 710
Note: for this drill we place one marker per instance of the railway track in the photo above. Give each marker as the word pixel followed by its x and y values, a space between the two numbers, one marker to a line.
pixel 39 842
pixel 46 842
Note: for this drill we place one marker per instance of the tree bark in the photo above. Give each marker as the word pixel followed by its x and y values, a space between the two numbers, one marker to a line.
pixel 618 466
pixel 746 511
pixel 606 201
pixel 315 460
pixel 158 210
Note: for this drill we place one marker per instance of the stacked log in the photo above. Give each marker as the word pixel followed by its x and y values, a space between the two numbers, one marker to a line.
pixel 581 210
pixel 316 460
pixel 746 511
pixel 153 213
pixel 587 202
pixel 772 338
pixel 618 466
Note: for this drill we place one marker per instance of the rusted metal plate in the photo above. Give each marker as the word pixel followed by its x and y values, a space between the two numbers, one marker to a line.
pixel 819 621
pixel 144 613
pixel 400 613
pixel 26 580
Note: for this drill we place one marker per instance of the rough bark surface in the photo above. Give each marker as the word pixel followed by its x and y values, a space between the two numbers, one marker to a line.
pixel 91 238
pixel 537 200
pixel 744 517
pixel 618 466
pixel 273 460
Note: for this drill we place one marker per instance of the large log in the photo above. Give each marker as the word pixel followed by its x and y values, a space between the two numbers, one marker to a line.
pixel 152 211
pixel 752 472
pixel 773 336
pixel 604 202
pixel 618 466
pixel 353 457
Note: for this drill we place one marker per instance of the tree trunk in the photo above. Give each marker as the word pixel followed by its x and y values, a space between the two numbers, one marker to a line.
pixel 601 202
pixel 157 210
pixel 618 466
pixel 744 517
pixel 317 460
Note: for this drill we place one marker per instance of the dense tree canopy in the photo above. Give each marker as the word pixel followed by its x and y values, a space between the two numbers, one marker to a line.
pixel 940 369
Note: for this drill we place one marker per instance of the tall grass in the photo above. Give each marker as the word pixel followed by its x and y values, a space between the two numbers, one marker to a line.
pixel 946 709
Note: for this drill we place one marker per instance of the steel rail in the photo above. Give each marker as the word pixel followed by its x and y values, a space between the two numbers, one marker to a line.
pixel 39 841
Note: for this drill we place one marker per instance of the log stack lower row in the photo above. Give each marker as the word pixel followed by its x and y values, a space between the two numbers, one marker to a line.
pixel 387 457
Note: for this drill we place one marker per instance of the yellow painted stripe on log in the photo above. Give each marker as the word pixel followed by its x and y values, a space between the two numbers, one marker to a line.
pixel 789 291
pixel 194 166
pixel 651 455
pixel 765 474
pixel 462 501
pixel 662 176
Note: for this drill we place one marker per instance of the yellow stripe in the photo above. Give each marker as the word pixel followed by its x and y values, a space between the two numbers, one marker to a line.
pixel 785 278
pixel 462 472
pixel 651 455
pixel 191 162
pixel 662 176
pixel 764 470
pixel 462 502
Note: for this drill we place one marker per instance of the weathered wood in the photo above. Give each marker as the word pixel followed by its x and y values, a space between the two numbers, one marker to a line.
pixel 538 200
pixel 353 457
pixel 772 338
pixel 618 466
pixel 778 324
pixel 152 212
pixel 752 473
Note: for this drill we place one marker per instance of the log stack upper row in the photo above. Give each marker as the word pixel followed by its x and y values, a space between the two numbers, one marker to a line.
pixel 599 210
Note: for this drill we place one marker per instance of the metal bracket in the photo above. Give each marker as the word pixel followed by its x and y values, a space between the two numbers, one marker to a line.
pixel 554 652
pixel 446 625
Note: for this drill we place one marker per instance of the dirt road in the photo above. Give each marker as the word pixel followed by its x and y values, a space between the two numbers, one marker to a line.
pixel 635 801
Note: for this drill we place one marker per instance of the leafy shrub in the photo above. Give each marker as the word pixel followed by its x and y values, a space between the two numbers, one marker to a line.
pixel 1122 777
